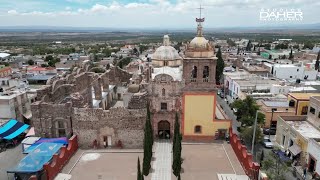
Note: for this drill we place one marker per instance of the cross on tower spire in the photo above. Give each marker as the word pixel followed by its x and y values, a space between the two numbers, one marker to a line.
pixel 200 21
pixel 200 9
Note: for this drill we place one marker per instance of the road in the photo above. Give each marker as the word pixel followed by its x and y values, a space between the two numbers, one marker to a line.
pixel 226 108
pixel 8 159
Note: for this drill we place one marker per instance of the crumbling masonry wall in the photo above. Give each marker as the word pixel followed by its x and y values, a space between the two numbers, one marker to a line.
pixel 120 123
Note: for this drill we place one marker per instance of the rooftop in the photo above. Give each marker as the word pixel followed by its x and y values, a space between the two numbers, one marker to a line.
pixel 276 103
pixel 303 96
pixel 305 129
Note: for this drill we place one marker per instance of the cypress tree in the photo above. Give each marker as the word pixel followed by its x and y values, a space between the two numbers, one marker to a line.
pixel 139 175
pixel 176 132
pixel 220 66
pixel 177 161
pixel 291 55
pixel 317 62
pixel 147 145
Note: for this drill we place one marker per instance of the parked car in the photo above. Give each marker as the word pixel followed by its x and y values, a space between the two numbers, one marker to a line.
pixel 270 131
pixel 267 142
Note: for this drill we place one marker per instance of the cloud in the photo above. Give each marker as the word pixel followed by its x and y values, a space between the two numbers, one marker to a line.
pixel 13 12
pixel 156 12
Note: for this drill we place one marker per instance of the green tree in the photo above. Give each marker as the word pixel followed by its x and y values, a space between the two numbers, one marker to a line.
pixel 177 160
pixel 291 55
pixel 274 167
pixel 176 132
pixel 247 135
pixel 139 174
pixel 142 48
pixel 147 145
pixel 316 66
pixel 49 58
pixel 30 62
pixel 246 111
pixel 267 46
pixel 220 67
pixel 249 46
pixel 231 43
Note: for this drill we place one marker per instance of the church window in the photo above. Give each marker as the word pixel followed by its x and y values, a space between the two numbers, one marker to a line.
pixel 61 129
pixel 163 92
pixel 197 129
pixel 194 72
pixel 164 106
pixel 206 72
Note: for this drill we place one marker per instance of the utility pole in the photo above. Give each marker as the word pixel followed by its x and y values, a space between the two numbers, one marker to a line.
pixel 254 132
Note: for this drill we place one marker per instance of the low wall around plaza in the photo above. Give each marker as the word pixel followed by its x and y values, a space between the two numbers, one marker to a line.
pixel 250 167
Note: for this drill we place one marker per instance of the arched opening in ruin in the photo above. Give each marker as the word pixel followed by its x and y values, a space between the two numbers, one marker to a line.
pixel 164 130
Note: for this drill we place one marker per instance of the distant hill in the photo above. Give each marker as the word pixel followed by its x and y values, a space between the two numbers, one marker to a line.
pixel 293 27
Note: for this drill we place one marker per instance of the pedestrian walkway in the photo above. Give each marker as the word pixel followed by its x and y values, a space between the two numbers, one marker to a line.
pixel 163 159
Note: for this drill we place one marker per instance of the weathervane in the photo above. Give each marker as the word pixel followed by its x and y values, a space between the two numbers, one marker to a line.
pixel 199 21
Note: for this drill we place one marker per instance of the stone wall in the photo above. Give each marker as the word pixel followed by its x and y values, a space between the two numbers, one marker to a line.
pixel 45 117
pixel 138 101
pixel 119 123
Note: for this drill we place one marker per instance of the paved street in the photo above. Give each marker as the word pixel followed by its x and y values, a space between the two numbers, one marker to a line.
pixel 229 113
pixel 9 159
pixel 163 159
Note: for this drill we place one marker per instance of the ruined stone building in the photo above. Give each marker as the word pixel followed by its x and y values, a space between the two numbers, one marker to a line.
pixel 109 109
pixel 91 106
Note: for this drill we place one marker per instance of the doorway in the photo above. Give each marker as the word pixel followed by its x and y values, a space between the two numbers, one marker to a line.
pixel 164 130
pixel 312 164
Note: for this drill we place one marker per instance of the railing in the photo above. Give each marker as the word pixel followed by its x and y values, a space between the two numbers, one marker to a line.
pixel 193 80
pixel 205 80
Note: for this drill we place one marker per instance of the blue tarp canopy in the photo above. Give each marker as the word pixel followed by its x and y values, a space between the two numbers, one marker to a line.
pixel 62 140
pixel 35 160
pixel 12 129
pixel 281 155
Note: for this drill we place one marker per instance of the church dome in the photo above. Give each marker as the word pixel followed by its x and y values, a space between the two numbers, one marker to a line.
pixel 166 53
pixel 199 42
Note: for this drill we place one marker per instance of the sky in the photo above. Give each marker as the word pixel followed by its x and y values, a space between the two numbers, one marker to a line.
pixel 150 13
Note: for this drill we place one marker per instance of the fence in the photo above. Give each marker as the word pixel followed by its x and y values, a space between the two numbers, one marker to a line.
pixel 251 168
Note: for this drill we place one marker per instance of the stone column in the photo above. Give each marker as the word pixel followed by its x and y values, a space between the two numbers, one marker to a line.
pixel 105 83
pixel 97 90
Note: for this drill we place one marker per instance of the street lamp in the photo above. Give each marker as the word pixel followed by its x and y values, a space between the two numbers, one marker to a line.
pixel 254 132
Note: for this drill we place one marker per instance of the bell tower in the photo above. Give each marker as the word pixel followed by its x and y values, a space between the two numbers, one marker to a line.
pixel 199 63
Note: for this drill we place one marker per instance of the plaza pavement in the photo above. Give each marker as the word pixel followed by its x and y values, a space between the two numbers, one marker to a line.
pixel 201 162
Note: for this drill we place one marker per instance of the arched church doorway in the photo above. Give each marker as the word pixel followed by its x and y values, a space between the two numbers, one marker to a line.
pixel 164 130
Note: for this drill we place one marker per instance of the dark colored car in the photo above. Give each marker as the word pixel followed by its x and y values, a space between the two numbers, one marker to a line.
pixel 270 131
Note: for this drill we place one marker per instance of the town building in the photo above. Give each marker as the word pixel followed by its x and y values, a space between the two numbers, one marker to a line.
pixel 5 71
pixel 14 104
pixel 274 107
pixel 300 101
pixel 299 135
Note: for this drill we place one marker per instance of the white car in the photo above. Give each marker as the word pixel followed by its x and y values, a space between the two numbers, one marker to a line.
pixel 267 142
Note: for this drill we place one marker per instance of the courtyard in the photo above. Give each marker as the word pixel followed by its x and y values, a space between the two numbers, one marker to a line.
pixel 201 161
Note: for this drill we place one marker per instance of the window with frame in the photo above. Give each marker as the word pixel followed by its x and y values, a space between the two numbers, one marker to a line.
pixel 312 110
pixel 197 129
pixel 164 106
pixel 304 110
pixel 163 92
pixel 61 129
